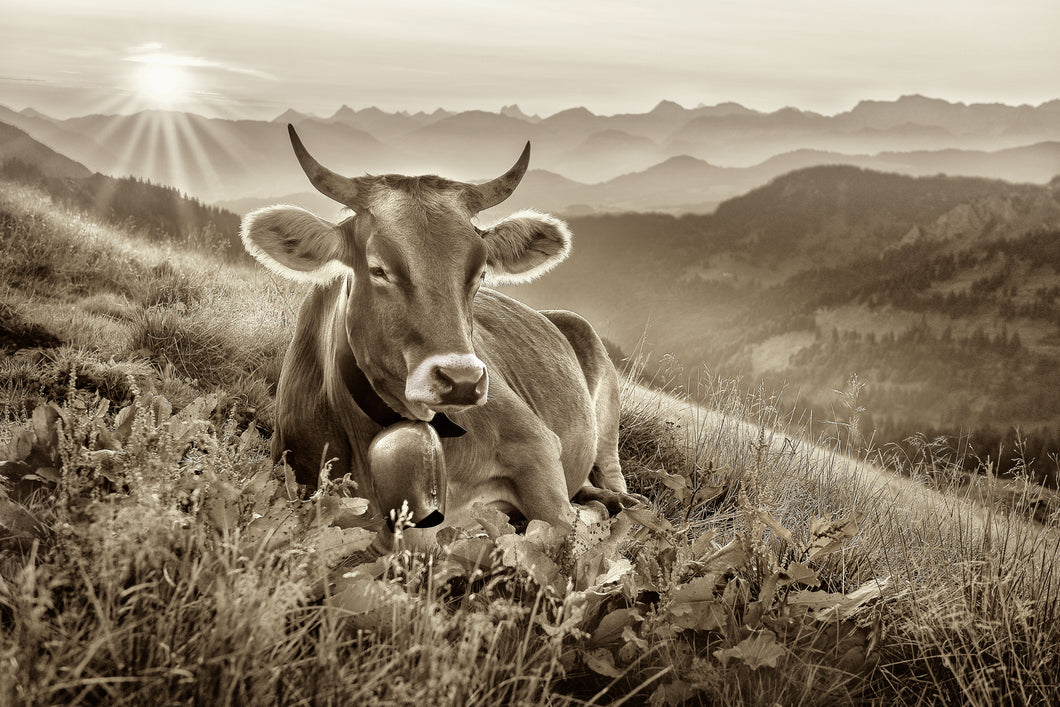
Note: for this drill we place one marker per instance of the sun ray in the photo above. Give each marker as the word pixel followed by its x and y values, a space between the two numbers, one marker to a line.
pixel 174 127
pixel 125 165
pixel 207 175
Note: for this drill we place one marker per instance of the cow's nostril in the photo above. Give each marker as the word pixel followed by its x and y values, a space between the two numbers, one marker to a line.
pixel 454 376
pixel 464 385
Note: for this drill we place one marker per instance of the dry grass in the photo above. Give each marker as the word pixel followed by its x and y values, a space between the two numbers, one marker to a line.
pixel 149 552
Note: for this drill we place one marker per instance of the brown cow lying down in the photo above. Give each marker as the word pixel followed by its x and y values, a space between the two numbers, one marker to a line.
pixel 468 395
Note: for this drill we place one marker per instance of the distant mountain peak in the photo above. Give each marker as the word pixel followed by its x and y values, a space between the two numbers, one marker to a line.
pixel 31 113
pixel 920 98
pixel 682 163
pixel 665 106
pixel 344 112
pixel 290 116
pixel 514 111
pixel 577 112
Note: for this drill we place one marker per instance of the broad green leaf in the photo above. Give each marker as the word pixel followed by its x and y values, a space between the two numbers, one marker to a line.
pixel 759 650
pixel 162 409
pixel 829 604
pixel 45 428
pixel 649 519
pixel 222 506
pixel 827 536
pixel 333 543
pixel 493 521
pixel 522 552
pixel 45 473
pixel 602 661
pixel 672 694
pixel 704 543
pixel 356 506
pixel 123 422
pixel 249 438
pixel 15 520
pixel 471 553
pixel 359 593
pixel 693 605
pixel 21 445
pixel 200 408
pixel 735 554
pixel 799 573
pixel 779 530
pixel 706 494
pixel 610 628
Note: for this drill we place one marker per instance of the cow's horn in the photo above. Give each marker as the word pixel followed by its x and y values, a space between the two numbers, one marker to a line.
pixel 484 196
pixel 335 186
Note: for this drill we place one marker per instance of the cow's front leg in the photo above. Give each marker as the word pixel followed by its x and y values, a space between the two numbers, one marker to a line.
pixel 534 469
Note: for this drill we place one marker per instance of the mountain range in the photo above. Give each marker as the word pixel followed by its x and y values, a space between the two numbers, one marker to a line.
pixel 671 158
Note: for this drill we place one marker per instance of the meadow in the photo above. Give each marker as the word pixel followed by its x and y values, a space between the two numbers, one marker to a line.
pixel 151 552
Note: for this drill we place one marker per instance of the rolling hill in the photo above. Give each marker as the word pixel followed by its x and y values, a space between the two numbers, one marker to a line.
pixel 687 185
pixel 16 145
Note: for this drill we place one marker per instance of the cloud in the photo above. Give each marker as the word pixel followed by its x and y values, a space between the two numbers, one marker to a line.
pixel 154 53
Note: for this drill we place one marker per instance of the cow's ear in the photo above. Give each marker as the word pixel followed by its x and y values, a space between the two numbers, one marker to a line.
pixel 294 243
pixel 525 246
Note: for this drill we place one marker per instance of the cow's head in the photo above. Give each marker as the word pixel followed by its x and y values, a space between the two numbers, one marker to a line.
pixel 412 262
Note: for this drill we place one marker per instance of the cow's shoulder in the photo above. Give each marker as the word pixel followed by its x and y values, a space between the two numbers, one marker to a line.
pixel 590 350
pixel 517 332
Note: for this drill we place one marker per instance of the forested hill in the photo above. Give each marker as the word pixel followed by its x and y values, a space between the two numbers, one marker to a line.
pixel 832 214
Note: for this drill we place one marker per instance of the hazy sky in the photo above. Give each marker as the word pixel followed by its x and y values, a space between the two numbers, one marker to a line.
pixel 256 58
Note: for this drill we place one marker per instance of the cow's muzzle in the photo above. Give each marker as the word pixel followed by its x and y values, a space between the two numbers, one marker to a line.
pixel 448 381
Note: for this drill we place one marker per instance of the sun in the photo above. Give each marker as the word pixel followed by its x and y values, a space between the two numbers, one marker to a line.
pixel 161 84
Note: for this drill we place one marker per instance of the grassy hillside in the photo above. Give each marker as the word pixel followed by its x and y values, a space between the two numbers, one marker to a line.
pixel 156 211
pixel 149 551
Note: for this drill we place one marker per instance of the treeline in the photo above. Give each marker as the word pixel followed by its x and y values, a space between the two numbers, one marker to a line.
pixel 904 278
pixel 158 211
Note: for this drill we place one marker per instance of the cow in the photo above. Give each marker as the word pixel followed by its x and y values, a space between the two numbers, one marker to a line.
pixel 400 330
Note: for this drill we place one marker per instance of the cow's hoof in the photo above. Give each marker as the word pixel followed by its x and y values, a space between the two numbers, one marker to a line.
pixel 613 501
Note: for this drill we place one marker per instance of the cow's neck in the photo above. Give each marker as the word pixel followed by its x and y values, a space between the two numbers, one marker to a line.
pixel 364 395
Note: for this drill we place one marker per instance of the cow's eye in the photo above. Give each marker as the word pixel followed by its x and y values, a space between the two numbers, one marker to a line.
pixel 378 273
